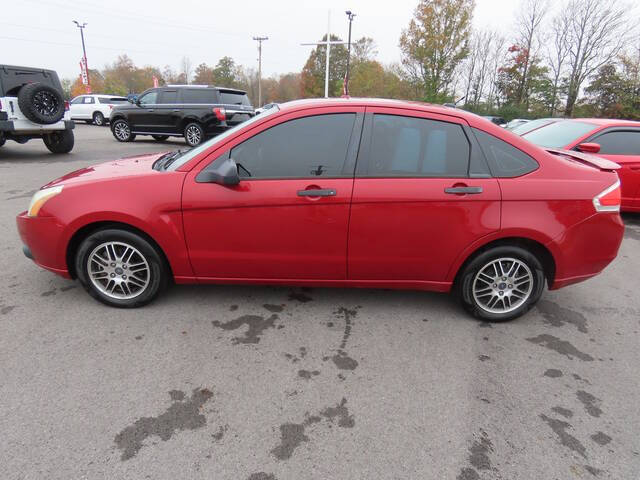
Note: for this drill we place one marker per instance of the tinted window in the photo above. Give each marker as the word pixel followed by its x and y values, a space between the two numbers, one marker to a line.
pixel 112 99
pixel 619 143
pixel 305 147
pixel 417 147
pixel 504 160
pixel 233 98
pixel 559 134
pixel 149 99
pixel 199 95
pixel 169 96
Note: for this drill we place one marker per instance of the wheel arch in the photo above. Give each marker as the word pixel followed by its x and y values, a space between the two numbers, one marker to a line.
pixel 90 228
pixel 541 252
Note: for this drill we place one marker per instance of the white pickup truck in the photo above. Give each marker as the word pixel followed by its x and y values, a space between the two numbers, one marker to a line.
pixel 32 106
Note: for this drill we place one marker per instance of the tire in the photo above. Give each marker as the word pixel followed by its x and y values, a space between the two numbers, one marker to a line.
pixel 2 140
pixel 98 119
pixel 110 284
pixel 41 103
pixel 59 142
pixel 160 138
pixel 122 131
pixel 479 286
pixel 193 134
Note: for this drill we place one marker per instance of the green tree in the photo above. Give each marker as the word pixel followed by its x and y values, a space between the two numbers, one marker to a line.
pixel 226 73
pixel 204 75
pixel 435 43
pixel 313 72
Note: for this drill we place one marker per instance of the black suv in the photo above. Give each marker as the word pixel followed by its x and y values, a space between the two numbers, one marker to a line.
pixel 190 111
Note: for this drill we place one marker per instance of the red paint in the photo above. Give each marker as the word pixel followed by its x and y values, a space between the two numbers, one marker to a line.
pixel 390 233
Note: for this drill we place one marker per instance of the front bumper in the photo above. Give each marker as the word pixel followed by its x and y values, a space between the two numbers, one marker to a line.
pixel 42 239
pixel 585 249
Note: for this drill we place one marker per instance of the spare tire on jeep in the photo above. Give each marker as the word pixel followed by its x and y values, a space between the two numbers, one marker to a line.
pixel 41 103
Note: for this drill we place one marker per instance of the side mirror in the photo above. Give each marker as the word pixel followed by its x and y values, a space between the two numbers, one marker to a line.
pixel 589 147
pixel 226 173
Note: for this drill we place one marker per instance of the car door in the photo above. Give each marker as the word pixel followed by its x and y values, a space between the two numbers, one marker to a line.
pixel 88 105
pixel 288 217
pixel 143 117
pixel 168 112
pixel 622 145
pixel 422 194
pixel 76 108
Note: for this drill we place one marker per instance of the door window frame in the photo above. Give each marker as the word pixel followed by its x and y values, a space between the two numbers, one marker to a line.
pixel 161 94
pixel 146 94
pixel 476 157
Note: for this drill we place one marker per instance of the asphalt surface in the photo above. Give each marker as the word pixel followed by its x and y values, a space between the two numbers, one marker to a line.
pixel 229 382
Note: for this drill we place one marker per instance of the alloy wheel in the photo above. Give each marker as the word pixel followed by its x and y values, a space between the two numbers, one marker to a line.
pixel 45 103
pixel 193 135
pixel 502 285
pixel 118 270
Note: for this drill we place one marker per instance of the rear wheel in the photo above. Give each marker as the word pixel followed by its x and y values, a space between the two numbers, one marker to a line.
pixel 120 268
pixel 59 142
pixel 160 138
pixel 122 131
pixel 98 119
pixel 193 134
pixel 501 284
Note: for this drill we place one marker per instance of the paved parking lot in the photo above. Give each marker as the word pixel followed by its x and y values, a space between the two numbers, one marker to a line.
pixel 229 382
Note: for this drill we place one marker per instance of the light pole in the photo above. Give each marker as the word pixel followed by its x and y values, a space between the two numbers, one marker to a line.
pixel 260 40
pixel 84 53
pixel 350 15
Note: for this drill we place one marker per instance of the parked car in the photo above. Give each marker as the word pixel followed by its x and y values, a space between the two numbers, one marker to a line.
pixel 95 108
pixel 534 125
pixel 342 193
pixel 497 120
pixel 615 140
pixel 190 111
pixel 515 123
pixel 32 106
pixel 266 106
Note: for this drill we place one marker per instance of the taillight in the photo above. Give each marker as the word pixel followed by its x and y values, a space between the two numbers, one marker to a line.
pixel 221 113
pixel 110 107
pixel 609 199
pixel 66 106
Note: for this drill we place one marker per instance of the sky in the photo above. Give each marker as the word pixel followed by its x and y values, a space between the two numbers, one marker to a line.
pixel 40 33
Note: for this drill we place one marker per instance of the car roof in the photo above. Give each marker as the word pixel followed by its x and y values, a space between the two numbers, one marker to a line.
pixel 608 122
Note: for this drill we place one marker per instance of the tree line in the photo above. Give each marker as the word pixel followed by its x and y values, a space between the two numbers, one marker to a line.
pixel 561 58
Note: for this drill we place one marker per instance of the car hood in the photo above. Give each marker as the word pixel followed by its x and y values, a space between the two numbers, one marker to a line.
pixel 137 165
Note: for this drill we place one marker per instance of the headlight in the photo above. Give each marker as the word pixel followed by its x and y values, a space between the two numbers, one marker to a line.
pixel 40 198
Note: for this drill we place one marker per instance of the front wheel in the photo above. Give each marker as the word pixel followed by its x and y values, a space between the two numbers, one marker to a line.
pixel 98 119
pixel 120 268
pixel 61 141
pixel 193 134
pixel 501 284
pixel 122 131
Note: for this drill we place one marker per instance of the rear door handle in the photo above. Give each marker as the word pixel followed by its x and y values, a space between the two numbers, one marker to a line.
pixel 463 190
pixel 328 192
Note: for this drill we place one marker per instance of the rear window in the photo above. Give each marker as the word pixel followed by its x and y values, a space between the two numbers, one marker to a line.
pixel 199 95
pixel 532 125
pixel 505 160
pixel 234 98
pixel 13 78
pixel 112 100
pixel 559 134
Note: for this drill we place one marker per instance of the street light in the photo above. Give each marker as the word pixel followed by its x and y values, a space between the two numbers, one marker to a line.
pixel 350 15
pixel 84 52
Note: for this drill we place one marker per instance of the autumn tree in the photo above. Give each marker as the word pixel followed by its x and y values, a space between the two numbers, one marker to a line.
pixel 435 44
pixel 313 72
pixel 95 79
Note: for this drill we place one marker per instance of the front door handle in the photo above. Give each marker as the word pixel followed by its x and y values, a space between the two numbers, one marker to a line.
pixel 463 190
pixel 317 192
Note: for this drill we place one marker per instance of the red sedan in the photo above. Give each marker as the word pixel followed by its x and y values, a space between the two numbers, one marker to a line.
pixel 342 193
pixel 616 140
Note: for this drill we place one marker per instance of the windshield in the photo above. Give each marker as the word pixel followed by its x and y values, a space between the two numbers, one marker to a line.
pixel 188 155
pixel 559 134
pixel 532 125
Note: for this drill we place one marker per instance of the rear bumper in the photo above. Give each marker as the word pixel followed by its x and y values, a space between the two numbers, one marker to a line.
pixel 585 249
pixel 20 127
pixel 41 237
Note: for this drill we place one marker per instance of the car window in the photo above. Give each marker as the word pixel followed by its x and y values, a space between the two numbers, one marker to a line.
pixel 199 95
pixel 234 98
pixel 112 99
pixel 619 143
pixel 77 100
pixel 168 96
pixel 559 134
pixel 505 160
pixel 302 148
pixel 88 100
pixel 149 98
pixel 416 147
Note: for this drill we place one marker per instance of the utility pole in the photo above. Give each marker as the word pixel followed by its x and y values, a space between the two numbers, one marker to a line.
pixel 84 53
pixel 328 44
pixel 260 40
pixel 350 15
